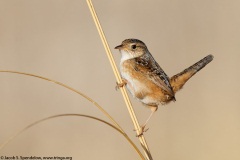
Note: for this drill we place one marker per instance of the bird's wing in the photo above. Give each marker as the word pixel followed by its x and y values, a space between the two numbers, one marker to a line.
pixel 151 69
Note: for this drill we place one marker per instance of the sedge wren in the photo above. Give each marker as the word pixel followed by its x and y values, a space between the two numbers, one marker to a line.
pixel 146 80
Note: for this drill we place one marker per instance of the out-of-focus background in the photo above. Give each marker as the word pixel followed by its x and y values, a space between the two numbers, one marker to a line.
pixel 58 39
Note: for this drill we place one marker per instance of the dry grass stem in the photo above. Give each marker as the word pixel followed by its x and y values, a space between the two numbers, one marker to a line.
pixel 119 80
pixel 72 89
pixel 67 115
pixel 115 126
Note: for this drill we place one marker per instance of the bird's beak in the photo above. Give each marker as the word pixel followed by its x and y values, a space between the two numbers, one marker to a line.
pixel 118 47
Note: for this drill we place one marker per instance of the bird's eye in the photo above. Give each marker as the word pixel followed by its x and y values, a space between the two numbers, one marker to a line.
pixel 134 46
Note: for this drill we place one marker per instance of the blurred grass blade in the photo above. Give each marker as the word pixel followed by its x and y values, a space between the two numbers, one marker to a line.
pixel 72 89
pixel 67 115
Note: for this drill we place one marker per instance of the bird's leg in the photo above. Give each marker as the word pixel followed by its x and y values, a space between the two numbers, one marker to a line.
pixel 142 130
pixel 124 82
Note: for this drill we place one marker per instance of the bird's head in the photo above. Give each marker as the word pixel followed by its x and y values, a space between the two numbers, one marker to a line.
pixel 132 48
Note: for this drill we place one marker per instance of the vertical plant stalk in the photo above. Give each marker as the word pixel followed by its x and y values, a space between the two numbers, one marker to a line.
pixel 119 80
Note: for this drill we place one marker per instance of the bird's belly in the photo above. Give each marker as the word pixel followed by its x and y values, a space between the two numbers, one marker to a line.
pixel 135 86
pixel 142 87
pixel 144 90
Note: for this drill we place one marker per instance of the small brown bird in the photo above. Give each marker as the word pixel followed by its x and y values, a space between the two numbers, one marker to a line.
pixel 146 80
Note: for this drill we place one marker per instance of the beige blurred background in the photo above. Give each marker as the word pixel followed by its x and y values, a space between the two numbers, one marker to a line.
pixel 58 39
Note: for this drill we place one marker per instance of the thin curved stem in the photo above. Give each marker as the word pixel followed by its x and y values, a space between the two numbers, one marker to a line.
pixel 65 115
pixel 70 88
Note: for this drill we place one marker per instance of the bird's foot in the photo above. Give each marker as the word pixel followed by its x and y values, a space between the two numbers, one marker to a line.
pixel 119 85
pixel 141 131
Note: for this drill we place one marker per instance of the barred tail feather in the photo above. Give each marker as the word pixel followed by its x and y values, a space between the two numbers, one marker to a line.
pixel 178 80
